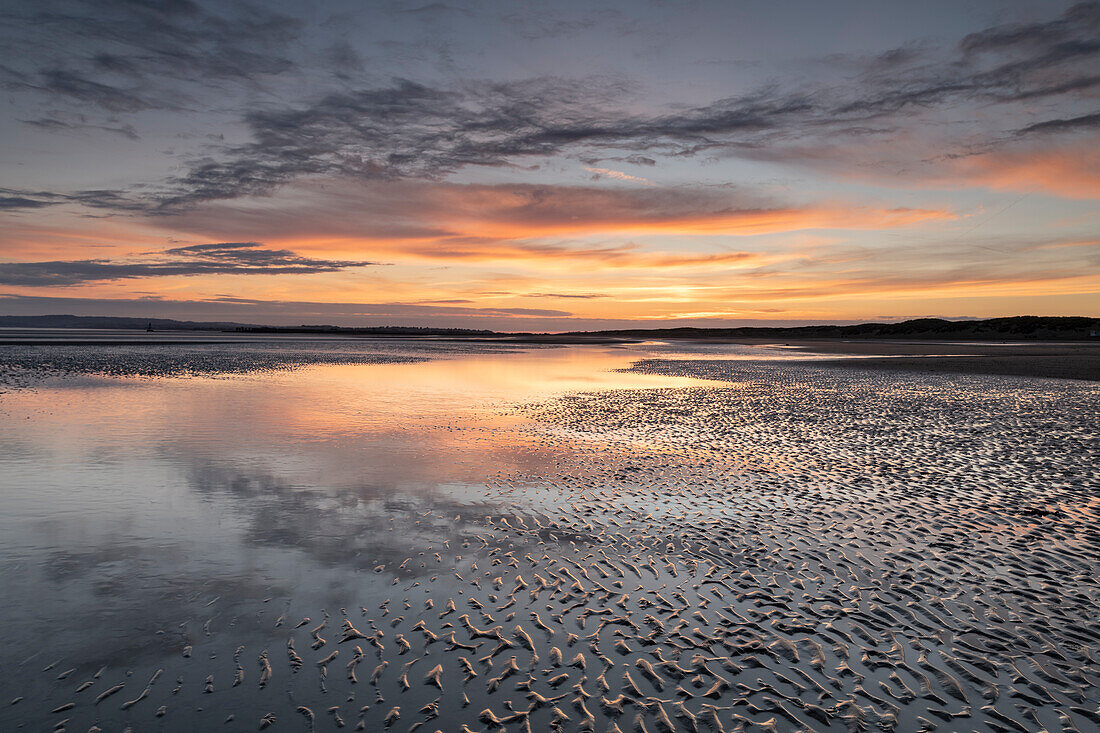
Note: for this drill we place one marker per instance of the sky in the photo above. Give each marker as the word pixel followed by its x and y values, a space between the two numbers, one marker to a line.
pixel 550 166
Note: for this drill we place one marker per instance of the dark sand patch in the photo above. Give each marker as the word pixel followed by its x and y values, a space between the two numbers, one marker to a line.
pixel 1067 360
pixel 1055 367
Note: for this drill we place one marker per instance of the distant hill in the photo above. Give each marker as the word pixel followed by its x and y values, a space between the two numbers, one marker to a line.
pixel 1053 328
pixel 371 330
pixel 1049 328
pixel 168 324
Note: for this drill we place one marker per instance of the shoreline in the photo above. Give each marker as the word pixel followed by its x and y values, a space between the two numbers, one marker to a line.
pixel 1079 360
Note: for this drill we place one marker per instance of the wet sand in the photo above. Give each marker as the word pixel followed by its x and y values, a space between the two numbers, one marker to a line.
pixel 1069 360
pixel 583 539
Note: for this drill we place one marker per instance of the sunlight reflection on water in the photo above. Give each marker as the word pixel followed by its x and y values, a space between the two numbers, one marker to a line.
pixel 155 484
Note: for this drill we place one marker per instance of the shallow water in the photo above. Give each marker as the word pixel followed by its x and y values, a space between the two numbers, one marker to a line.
pixel 823 549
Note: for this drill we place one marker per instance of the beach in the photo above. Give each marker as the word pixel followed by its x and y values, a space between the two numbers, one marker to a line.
pixel 326 534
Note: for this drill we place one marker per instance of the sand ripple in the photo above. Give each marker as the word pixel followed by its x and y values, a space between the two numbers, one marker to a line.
pixel 798 549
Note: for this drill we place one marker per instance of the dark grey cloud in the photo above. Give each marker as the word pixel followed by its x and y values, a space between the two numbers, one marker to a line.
pixel 534 22
pixel 14 199
pixel 343 59
pixel 1008 63
pixel 404 130
pixel 433 10
pixel 1072 124
pixel 410 130
pixel 79 122
pixel 238 258
pixel 134 55
pixel 416 130
pixel 77 86
pixel 253 255
pixel 1058 36
pixel 128 54
pixel 12 203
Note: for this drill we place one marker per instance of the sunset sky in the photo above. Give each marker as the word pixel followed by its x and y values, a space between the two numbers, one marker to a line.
pixel 550 165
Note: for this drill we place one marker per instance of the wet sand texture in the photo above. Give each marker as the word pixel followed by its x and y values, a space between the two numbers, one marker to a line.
pixel 794 549
pixel 1074 360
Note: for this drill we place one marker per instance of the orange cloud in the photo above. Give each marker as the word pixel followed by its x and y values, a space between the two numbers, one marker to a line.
pixel 1072 173
pixel 472 222
pixel 743 222
pixel 1062 245
pixel 625 257
pixel 528 211
pixel 1066 166
pixel 66 236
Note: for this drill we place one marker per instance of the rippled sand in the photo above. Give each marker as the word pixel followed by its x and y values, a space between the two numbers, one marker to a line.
pixel 556 539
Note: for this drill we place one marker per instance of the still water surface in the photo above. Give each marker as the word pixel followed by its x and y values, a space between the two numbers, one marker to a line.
pixel 127 503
